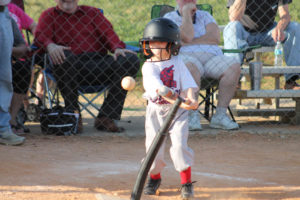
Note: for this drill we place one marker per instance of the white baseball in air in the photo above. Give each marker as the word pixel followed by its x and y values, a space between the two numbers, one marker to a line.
pixel 128 83
pixel 163 90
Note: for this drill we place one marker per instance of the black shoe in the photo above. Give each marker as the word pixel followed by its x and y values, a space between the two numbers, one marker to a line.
pixel 152 186
pixel 107 124
pixel 187 191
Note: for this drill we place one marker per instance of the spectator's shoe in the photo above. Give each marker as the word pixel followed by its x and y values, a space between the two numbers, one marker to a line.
pixel 107 124
pixel 26 129
pixel 292 86
pixel 194 120
pixel 152 186
pixel 223 122
pixel 9 138
pixel 17 129
pixel 187 191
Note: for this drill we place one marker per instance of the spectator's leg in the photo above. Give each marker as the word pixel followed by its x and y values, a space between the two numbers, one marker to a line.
pixel 6 90
pixel 21 71
pixel 15 105
pixel 103 69
pixel 26 100
pixel 194 115
pixel 196 75
pixel 227 70
pixel 113 104
pixel 292 48
pixel 235 37
pixel 38 59
pixel 227 85
pixel 40 86
pixel 66 76
pixel 194 65
pixel 97 69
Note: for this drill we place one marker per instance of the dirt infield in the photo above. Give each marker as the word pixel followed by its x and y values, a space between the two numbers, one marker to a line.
pixel 100 166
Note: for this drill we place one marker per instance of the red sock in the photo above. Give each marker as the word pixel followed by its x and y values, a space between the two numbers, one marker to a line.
pixel 155 176
pixel 186 176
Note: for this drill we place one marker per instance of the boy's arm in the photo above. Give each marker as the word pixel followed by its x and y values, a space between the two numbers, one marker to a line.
pixel 193 103
pixel 285 18
pixel 169 95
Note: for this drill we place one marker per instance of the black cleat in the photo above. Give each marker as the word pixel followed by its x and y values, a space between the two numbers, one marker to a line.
pixel 187 191
pixel 152 186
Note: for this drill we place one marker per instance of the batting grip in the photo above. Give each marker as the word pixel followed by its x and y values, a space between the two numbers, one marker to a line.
pixel 152 152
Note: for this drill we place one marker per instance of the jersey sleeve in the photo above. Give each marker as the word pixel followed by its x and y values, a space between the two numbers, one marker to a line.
pixel 151 80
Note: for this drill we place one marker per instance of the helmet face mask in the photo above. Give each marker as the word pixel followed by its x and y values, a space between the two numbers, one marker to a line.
pixel 161 30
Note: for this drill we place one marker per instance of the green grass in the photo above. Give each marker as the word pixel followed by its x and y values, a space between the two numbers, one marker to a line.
pixel 129 17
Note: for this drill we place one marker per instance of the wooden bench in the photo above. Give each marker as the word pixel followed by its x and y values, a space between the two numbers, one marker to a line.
pixel 258 52
pixel 293 113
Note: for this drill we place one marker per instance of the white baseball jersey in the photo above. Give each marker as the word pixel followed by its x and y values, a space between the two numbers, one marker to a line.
pixel 172 73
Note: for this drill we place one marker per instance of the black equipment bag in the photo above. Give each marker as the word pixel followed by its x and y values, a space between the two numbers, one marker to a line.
pixel 58 121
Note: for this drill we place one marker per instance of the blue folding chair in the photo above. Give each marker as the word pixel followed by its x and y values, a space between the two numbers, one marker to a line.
pixel 53 98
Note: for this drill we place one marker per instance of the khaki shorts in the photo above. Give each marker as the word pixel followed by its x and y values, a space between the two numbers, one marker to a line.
pixel 209 65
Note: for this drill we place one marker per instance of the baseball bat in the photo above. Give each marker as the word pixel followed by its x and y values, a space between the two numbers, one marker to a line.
pixel 151 154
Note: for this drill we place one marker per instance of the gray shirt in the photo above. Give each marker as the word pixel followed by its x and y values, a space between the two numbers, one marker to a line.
pixel 260 14
pixel 9 36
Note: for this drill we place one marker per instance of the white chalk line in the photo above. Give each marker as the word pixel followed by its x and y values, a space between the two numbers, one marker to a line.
pixel 102 169
pixel 231 178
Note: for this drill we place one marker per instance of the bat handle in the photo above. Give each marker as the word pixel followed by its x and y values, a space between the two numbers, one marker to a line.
pixel 180 99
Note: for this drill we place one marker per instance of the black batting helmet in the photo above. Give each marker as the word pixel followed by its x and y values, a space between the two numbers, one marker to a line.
pixel 163 30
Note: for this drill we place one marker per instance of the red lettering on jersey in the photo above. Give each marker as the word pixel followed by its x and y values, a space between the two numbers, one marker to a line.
pixel 167 77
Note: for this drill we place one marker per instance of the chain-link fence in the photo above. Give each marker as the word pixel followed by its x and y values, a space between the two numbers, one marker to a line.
pixel 79 57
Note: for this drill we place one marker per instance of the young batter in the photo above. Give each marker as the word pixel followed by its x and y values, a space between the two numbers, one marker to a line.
pixel 161 43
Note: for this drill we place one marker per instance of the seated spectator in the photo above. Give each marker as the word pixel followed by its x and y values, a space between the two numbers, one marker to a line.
pixel 200 52
pixel 78 39
pixel 10 36
pixel 252 22
pixel 21 69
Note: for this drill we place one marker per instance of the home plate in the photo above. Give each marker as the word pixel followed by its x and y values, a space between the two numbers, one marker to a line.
pixel 106 197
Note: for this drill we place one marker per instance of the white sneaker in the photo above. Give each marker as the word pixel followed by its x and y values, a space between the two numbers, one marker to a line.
pixel 9 138
pixel 194 120
pixel 223 122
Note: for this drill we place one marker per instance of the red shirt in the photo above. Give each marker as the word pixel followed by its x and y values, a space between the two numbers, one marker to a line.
pixel 86 30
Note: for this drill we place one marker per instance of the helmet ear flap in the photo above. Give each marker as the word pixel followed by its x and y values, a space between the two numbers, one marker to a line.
pixel 146 50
